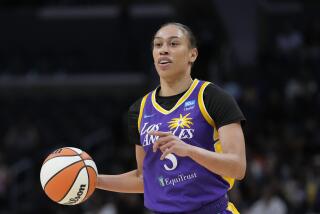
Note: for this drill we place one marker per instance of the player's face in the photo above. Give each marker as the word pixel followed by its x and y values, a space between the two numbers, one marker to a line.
pixel 172 54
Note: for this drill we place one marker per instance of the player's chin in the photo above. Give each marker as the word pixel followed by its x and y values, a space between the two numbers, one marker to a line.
pixel 164 72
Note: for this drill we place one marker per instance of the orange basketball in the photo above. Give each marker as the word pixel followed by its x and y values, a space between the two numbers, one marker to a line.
pixel 68 176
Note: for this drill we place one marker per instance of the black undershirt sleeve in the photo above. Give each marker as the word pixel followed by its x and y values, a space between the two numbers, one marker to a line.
pixel 133 115
pixel 220 105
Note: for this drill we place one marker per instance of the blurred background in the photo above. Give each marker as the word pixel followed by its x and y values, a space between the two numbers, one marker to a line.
pixel 70 69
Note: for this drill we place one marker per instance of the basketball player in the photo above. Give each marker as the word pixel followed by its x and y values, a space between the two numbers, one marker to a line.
pixel 189 141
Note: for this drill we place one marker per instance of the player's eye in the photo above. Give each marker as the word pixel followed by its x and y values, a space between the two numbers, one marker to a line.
pixel 157 44
pixel 173 44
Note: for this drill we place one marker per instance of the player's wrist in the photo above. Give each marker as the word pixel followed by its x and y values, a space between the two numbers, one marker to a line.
pixel 98 184
pixel 190 150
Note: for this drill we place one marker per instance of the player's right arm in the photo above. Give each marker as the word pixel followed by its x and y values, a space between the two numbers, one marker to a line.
pixel 129 182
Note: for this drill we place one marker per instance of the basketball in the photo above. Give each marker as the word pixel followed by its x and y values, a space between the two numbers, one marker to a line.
pixel 68 176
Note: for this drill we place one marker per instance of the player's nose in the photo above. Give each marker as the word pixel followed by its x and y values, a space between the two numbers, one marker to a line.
pixel 164 50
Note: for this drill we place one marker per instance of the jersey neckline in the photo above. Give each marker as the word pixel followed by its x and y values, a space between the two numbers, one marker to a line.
pixel 180 101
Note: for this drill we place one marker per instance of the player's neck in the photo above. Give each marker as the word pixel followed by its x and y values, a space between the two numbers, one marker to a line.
pixel 174 87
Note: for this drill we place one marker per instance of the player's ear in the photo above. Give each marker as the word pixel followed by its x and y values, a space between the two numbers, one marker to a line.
pixel 193 55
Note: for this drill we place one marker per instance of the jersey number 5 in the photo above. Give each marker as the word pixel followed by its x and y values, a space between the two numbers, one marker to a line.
pixel 173 160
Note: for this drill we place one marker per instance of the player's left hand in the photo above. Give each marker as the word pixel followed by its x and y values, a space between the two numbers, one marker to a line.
pixel 169 143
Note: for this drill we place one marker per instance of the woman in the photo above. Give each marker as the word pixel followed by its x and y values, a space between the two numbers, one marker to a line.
pixel 189 140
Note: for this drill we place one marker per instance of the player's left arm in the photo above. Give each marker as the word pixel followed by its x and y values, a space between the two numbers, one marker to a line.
pixel 231 163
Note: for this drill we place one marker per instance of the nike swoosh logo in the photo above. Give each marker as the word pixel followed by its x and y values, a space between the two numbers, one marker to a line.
pixel 147 116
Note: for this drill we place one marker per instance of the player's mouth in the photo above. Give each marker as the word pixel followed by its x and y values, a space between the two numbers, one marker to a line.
pixel 164 62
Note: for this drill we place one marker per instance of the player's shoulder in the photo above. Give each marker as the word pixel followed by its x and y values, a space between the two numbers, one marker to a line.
pixel 135 106
pixel 214 90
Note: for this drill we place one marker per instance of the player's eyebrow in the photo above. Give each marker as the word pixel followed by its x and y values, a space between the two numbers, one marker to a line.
pixel 171 37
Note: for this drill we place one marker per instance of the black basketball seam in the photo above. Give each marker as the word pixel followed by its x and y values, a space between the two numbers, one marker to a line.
pixel 95 172
pixel 59 156
pixel 74 150
pixel 93 169
pixel 70 149
pixel 44 188
pixel 87 176
pixel 72 183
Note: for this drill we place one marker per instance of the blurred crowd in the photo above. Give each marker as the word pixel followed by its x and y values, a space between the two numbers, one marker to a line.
pixel 279 96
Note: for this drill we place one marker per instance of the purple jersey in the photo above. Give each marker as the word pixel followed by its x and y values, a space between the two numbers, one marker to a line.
pixel 179 184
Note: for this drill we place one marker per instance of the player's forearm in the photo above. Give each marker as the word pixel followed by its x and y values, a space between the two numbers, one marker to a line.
pixel 224 164
pixel 130 182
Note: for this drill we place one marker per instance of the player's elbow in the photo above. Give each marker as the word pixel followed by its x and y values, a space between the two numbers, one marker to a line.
pixel 241 175
pixel 241 171
pixel 139 174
